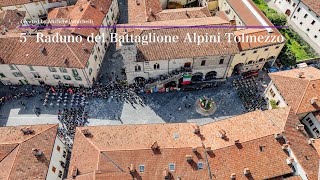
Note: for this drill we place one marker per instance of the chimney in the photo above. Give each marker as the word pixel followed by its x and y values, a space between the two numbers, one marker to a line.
pixel 301 74
pixel 86 133
pixel 189 158
pixel 222 134
pixel 165 173
pixel 37 152
pixel 236 141
pixel 155 146
pixel 92 4
pixel 138 2
pixel 187 14
pixel 80 8
pixel 66 61
pixel 233 176
pixel 27 131
pixel 290 160
pixel 278 136
pixel 285 146
pixel 43 50
pixel 196 130
pixel 74 172
pixel 132 169
pixel 300 127
pixel 194 150
pixel 85 50
pixel 314 100
pixel 311 141
pixel 246 171
pixel 233 23
pixel 208 149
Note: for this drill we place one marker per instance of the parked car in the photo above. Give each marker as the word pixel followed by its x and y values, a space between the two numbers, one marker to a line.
pixel 273 69
pixel 315 66
pixel 302 65
pixel 285 68
pixel 250 74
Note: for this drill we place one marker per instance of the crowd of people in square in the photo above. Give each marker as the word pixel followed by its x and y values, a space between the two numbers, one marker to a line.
pixel 250 94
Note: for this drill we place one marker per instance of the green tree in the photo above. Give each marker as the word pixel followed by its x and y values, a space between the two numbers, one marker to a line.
pixel 273 104
pixel 287 57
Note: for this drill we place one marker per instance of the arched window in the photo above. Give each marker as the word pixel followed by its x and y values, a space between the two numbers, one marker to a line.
pixel 137 68
pixel 156 66
pixel 250 62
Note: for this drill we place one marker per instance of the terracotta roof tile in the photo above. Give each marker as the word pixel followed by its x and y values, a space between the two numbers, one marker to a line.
pixel 4 3
pixel 296 91
pixel 307 156
pixel 12 51
pixel 253 125
pixel 313 4
pixel 93 12
pixel 10 19
pixel 222 15
pixel 265 164
pixel 20 162
pixel 109 156
pixel 141 10
pixel 182 13
pixel 255 34
pixel 143 136
pixel 80 152
pixel 293 178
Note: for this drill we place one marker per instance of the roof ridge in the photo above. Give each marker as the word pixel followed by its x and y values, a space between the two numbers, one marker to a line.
pixel 112 162
pixel 304 93
pixel 75 55
pixel 14 161
pixel 274 121
pixel 148 149
pixel 96 147
pixel 53 125
pixel 17 144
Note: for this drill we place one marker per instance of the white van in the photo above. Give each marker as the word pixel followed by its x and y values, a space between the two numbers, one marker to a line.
pixel 302 65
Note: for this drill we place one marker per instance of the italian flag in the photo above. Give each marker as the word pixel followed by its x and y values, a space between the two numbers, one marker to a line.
pixel 187 79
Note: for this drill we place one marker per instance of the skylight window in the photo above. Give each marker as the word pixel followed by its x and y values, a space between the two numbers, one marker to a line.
pixel 171 167
pixel 200 165
pixel 141 168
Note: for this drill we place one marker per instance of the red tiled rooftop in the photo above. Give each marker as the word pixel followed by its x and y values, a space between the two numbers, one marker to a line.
pixel 17 158
pixel 314 5
pixel 296 91
pixel 4 3
pixel 110 150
